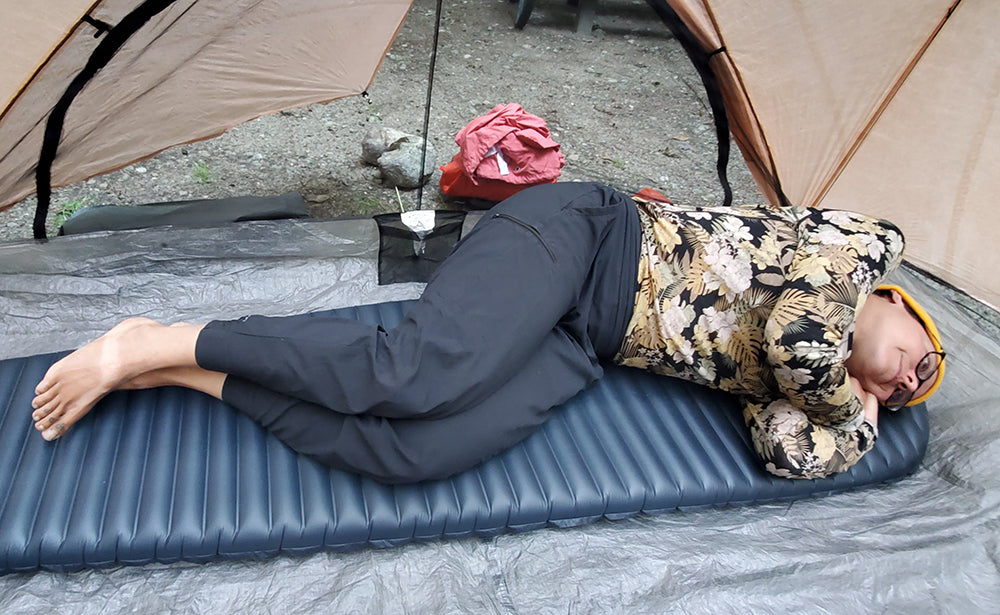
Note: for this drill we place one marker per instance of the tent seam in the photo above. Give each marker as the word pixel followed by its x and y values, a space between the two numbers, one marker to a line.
pixel 773 176
pixel 883 105
pixel 54 52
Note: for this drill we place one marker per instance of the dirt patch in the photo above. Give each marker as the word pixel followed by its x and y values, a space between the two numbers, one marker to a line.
pixel 623 102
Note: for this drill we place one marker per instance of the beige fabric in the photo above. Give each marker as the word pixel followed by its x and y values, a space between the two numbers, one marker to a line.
pixel 932 161
pixel 888 108
pixel 192 72
pixel 31 32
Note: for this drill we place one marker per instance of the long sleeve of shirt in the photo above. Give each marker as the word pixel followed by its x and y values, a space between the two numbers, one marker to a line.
pixel 762 303
pixel 839 259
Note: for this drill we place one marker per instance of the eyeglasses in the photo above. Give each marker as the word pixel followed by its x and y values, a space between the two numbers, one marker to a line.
pixel 926 368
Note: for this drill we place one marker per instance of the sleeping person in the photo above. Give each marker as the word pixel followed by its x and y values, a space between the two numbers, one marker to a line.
pixel 784 308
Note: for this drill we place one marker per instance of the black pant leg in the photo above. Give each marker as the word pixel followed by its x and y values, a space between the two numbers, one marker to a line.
pixel 410 450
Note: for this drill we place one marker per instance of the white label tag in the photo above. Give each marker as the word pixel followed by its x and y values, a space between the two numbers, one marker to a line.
pixel 501 163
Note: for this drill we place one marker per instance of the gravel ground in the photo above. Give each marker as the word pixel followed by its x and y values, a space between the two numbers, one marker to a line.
pixel 623 102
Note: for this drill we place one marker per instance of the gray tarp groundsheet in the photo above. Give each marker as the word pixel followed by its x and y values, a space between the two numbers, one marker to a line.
pixel 928 544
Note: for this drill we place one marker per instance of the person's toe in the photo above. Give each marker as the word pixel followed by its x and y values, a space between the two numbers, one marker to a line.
pixel 59 423
pixel 55 431
pixel 44 385
pixel 48 419
pixel 42 403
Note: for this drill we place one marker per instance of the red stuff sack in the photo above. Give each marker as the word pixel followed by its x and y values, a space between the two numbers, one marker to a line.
pixel 500 153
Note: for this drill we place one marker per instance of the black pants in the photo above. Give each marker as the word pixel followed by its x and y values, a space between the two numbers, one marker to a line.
pixel 513 323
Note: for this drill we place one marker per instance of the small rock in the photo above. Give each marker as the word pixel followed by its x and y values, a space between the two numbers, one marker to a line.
pixel 377 140
pixel 400 164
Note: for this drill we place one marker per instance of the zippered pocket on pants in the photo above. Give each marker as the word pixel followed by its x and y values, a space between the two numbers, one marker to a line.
pixel 530 229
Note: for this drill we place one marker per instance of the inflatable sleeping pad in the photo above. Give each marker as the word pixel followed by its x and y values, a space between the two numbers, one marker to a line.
pixel 170 474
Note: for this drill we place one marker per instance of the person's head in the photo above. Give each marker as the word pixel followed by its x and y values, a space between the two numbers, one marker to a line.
pixel 896 353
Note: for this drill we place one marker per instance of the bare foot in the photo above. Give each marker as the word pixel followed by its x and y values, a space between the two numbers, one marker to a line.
pixel 74 384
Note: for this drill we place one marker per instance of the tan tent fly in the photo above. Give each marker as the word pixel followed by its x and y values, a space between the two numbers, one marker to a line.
pixel 190 70
pixel 889 108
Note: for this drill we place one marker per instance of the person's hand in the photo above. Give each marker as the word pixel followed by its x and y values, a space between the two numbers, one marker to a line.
pixel 868 400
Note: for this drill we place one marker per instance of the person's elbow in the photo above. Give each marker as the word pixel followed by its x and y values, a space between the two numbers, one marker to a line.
pixel 794 447
pixel 803 464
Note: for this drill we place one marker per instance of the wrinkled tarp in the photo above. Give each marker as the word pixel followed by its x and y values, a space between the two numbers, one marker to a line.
pixel 928 544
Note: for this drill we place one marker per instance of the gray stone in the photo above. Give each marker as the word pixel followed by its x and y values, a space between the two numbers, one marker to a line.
pixel 400 163
pixel 377 140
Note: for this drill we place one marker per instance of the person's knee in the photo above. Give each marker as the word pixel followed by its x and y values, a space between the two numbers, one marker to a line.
pixel 442 456
pixel 407 466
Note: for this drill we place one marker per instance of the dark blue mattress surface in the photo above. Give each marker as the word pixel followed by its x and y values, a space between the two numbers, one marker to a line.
pixel 170 474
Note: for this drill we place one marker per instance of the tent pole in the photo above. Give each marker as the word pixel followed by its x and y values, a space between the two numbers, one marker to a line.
pixel 427 103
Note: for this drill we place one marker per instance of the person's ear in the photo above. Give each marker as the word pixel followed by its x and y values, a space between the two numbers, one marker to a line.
pixel 895 298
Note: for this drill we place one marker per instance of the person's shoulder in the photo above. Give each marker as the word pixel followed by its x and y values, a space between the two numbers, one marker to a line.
pixel 849 222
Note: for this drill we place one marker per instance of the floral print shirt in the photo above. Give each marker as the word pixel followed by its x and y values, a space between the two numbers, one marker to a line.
pixel 761 302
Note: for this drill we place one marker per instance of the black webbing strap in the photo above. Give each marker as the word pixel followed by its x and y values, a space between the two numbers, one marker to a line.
pixel 102 54
pixel 701 60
